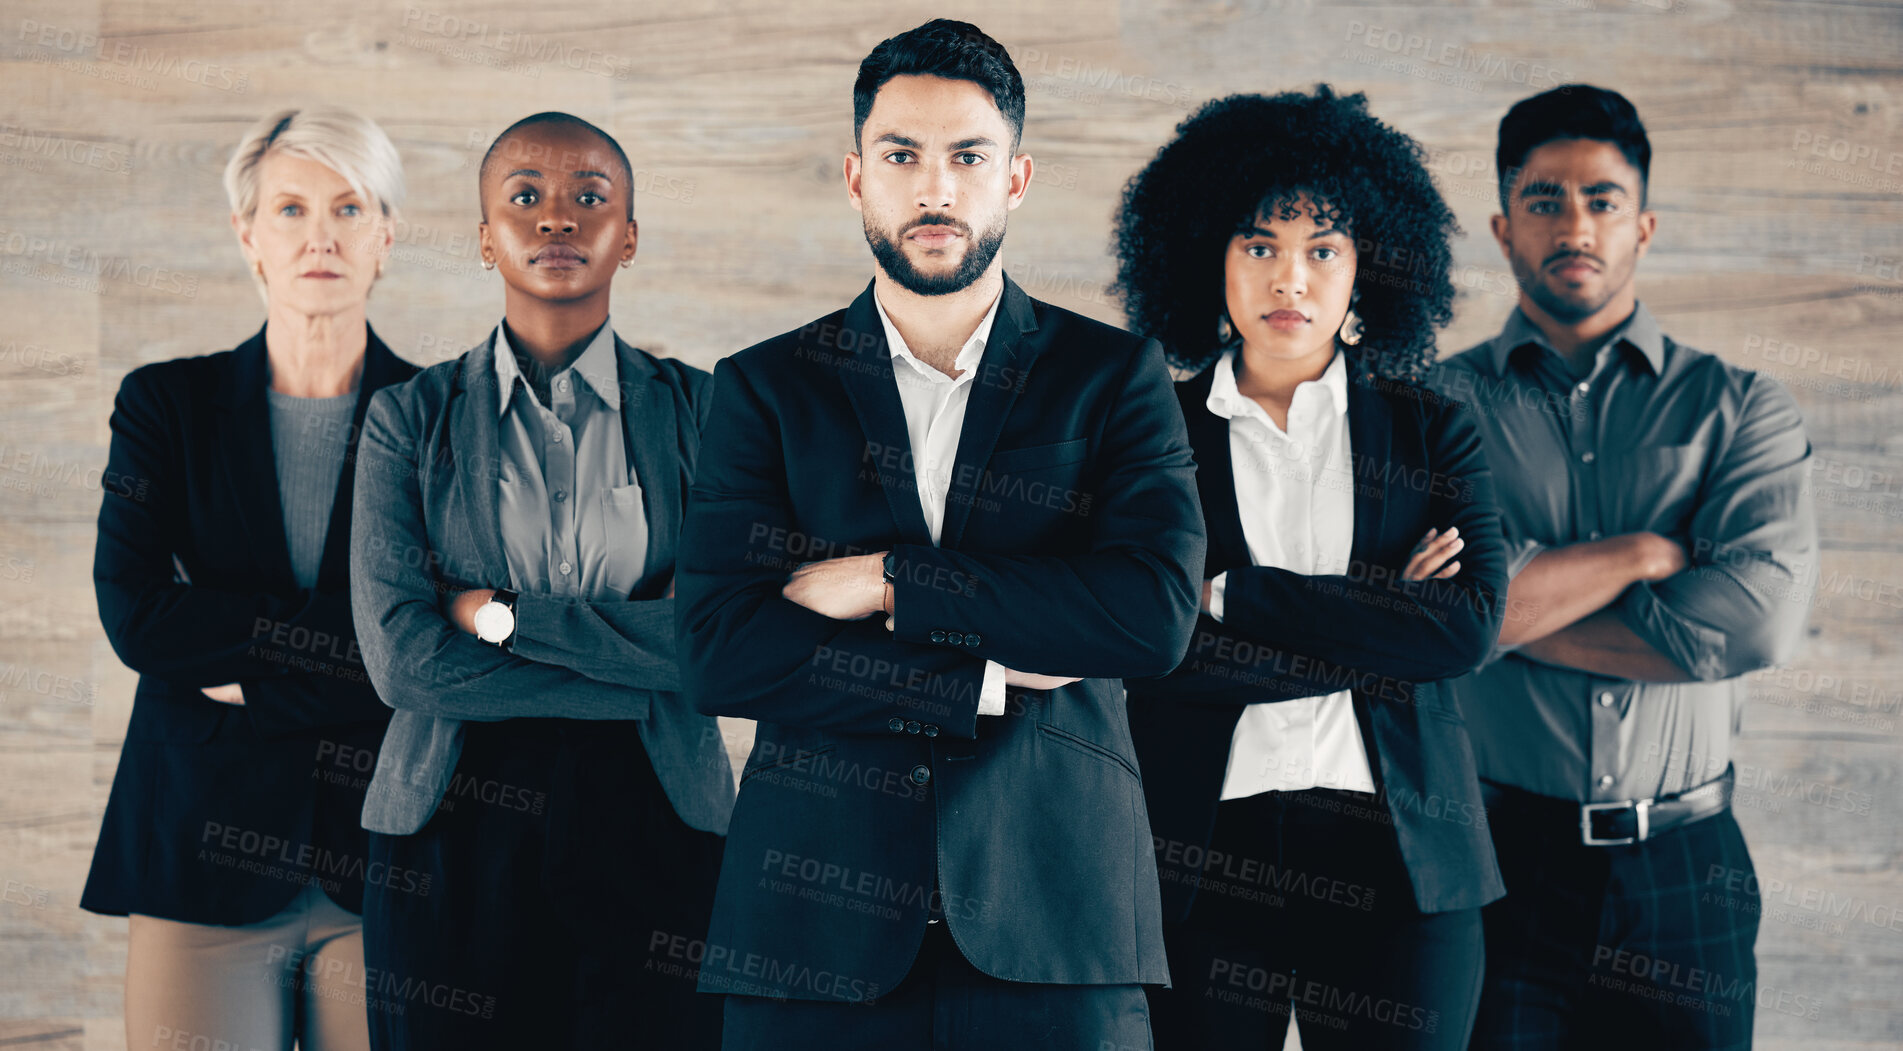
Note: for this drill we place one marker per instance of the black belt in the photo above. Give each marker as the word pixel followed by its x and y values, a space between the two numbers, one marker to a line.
pixel 1616 824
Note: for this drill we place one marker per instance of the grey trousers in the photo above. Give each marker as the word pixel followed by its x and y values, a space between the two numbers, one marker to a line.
pixel 296 977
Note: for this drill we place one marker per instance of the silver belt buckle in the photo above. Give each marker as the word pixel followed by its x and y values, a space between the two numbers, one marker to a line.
pixel 1639 806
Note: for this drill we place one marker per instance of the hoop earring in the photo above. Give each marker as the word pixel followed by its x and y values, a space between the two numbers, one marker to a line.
pixel 626 263
pixel 1225 331
pixel 1351 329
pixel 488 264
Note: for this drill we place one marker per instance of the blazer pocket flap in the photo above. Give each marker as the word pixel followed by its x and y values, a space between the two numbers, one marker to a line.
pixel 1036 457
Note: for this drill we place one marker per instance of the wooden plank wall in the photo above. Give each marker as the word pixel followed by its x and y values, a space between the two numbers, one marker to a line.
pixel 1778 179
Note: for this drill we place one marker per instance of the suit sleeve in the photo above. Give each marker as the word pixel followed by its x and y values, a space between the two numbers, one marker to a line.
pixel 418 660
pixel 747 651
pixel 1122 608
pixel 1367 629
pixel 1742 604
pixel 280 648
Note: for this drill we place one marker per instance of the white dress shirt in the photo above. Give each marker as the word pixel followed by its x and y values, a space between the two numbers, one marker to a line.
pixel 1295 494
pixel 934 419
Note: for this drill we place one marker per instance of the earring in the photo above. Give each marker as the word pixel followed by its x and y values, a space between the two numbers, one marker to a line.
pixel 626 263
pixel 379 268
pixel 488 264
pixel 257 267
pixel 1225 332
pixel 1351 329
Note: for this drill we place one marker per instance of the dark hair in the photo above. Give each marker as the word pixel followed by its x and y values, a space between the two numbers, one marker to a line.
pixel 566 120
pixel 1571 111
pixel 1245 156
pixel 942 48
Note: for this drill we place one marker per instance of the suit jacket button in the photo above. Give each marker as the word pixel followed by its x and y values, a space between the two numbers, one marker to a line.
pixel 937 636
pixel 930 730
pixel 955 638
pixel 921 774
pixel 973 638
pixel 896 725
pixel 912 727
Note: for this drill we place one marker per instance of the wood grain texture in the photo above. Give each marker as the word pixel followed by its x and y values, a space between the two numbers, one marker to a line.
pixel 1778 179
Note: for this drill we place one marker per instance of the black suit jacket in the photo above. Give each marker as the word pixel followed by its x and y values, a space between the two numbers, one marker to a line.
pixel 219 812
pixel 1417 464
pixel 1072 545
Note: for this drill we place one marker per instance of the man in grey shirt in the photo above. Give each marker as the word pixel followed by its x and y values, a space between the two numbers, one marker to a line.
pixel 1663 545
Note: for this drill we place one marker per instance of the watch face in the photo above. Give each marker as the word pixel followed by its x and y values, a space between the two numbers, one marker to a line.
pixel 494 622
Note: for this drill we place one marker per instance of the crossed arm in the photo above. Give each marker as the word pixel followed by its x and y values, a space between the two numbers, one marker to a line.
pixel 415 631
pixel 1641 607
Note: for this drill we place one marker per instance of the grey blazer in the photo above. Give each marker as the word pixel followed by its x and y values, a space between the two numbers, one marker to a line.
pixel 426 524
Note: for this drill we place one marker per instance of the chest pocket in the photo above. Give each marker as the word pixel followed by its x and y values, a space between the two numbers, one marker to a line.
pixel 1652 488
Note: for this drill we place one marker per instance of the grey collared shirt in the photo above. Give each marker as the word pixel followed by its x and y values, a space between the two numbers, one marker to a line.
pixel 1656 437
pixel 571 513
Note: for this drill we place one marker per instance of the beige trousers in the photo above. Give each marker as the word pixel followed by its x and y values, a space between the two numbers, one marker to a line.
pixel 296 977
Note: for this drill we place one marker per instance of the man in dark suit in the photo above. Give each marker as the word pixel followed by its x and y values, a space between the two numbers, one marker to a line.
pixel 928 534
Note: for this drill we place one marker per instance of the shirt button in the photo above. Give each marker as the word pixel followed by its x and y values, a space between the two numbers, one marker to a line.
pixel 1584 386
pixel 921 774
pixel 561 385
pixel 1587 457
pixel 956 638
pixel 973 638
pixel 556 437
pixel 931 730
pixel 912 726
pixel 896 725
pixel 1605 700
pixel 1605 780
pixel 937 636
pixel 565 568
pixel 560 495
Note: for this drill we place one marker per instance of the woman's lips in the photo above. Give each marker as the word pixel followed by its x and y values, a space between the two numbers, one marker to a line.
pixel 322 275
pixel 560 257
pixel 1287 320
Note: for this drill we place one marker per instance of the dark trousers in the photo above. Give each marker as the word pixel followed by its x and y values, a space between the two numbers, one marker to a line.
pixel 1304 907
pixel 946 1004
pixel 1640 946
pixel 544 904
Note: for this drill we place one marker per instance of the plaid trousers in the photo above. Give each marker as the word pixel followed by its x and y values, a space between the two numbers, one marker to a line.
pixel 1641 946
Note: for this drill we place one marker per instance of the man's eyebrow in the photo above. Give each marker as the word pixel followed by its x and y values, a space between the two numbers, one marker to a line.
pixel 1543 188
pixel 896 139
pixel 1603 186
pixel 966 144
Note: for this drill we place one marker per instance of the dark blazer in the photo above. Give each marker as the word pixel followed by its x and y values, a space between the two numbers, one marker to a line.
pixel 1072 545
pixel 218 812
pixel 428 525
pixel 1418 464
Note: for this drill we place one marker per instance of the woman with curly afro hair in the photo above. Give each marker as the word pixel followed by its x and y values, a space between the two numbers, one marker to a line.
pixel 1310 786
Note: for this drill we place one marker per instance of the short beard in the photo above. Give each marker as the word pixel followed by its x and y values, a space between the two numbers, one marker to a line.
pixel 1532 281
pixel 978 257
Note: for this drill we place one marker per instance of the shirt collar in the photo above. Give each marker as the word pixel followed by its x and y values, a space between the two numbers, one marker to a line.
pixel 596 366
pixel 1640 331
pixel 968 356
pixel 1226 401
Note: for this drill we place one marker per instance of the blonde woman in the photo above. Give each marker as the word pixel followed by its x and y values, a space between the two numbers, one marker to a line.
pixel 231 837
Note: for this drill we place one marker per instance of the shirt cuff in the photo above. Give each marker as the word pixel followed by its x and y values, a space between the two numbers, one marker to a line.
pixel 991 695
pixel 1216 584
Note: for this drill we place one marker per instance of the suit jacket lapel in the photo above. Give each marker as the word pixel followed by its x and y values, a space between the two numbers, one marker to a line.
pixel 380 369
pixel 866 372
pixel 250 462
pixel 1215 475
pixel 1371 441
pixel 1002 374
pixel 475 457
pixel 651 427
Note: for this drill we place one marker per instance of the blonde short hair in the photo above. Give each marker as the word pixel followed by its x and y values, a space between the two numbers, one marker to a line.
pixel 349 144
